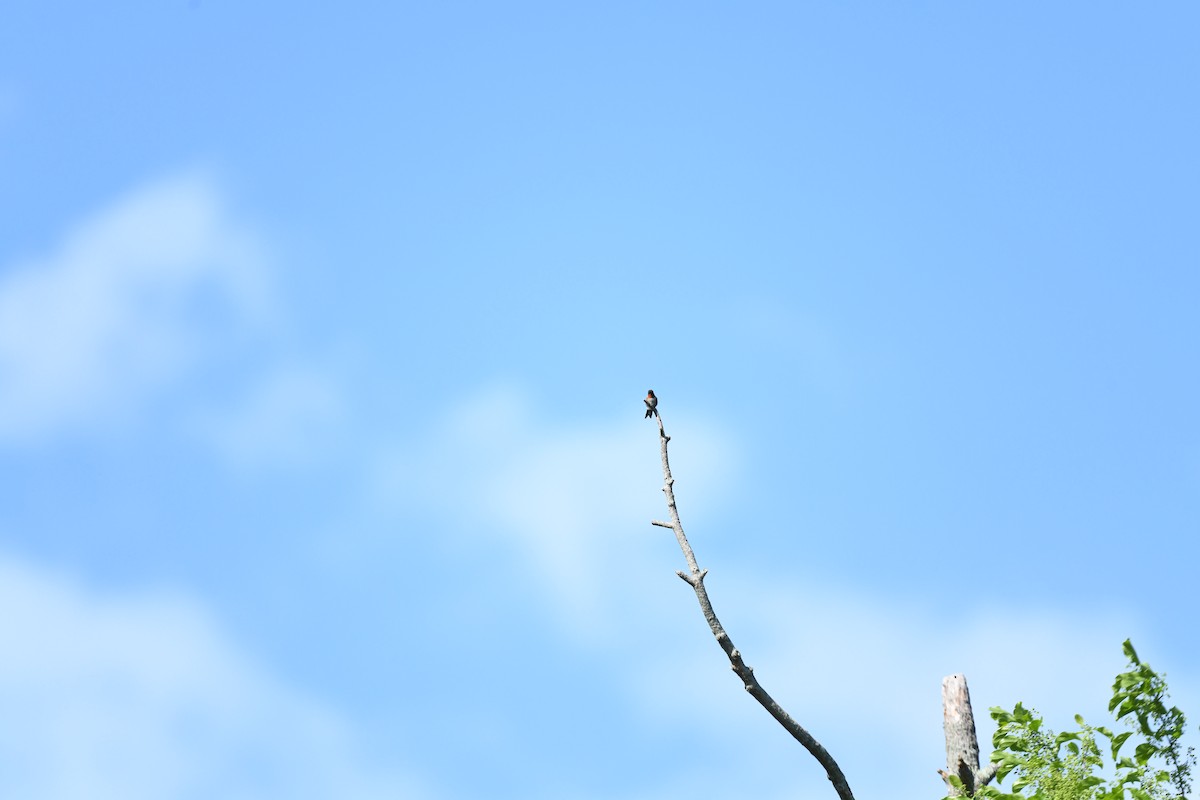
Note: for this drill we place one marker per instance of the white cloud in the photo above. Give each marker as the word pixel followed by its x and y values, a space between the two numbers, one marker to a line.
pixel 863 672
pixel 143 696
pixel 121 306
pixel 293 414
pixel 574 504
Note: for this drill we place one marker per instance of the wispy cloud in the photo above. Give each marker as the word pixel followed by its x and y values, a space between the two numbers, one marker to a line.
pixel 144 696
pixel 162 294
pixel 122 306
pixel 568 500
pixel 292 415
pixel 861 670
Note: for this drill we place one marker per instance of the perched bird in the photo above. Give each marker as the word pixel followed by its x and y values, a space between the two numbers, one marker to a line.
pixel 651 404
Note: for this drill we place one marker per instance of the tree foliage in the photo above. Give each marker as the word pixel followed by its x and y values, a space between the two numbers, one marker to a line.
pixel 1147 761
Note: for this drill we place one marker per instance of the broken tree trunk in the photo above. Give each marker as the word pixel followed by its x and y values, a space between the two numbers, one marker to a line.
pixel 962 745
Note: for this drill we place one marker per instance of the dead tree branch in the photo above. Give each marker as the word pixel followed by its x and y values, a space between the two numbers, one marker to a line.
pixel 695 578
pixel 962 745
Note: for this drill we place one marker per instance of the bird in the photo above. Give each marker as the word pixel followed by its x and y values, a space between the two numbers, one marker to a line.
pixel 651 404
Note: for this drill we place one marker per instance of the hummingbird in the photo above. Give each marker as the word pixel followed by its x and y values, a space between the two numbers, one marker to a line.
pixel 651 404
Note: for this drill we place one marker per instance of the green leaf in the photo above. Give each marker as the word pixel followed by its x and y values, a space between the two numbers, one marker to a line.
pixel 1119 740
pixel 1126 707
pixel 1130 653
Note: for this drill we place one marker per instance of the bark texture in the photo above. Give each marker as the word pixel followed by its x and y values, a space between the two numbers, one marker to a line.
pixel 962 745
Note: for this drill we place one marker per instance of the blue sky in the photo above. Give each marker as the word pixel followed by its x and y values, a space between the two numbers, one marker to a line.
pixel 323 338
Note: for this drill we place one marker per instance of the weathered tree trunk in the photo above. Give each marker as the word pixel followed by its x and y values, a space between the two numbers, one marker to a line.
pixel 962 746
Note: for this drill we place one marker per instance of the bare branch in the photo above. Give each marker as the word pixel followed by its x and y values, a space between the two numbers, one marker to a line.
pixel 984 776
pixel 695 578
